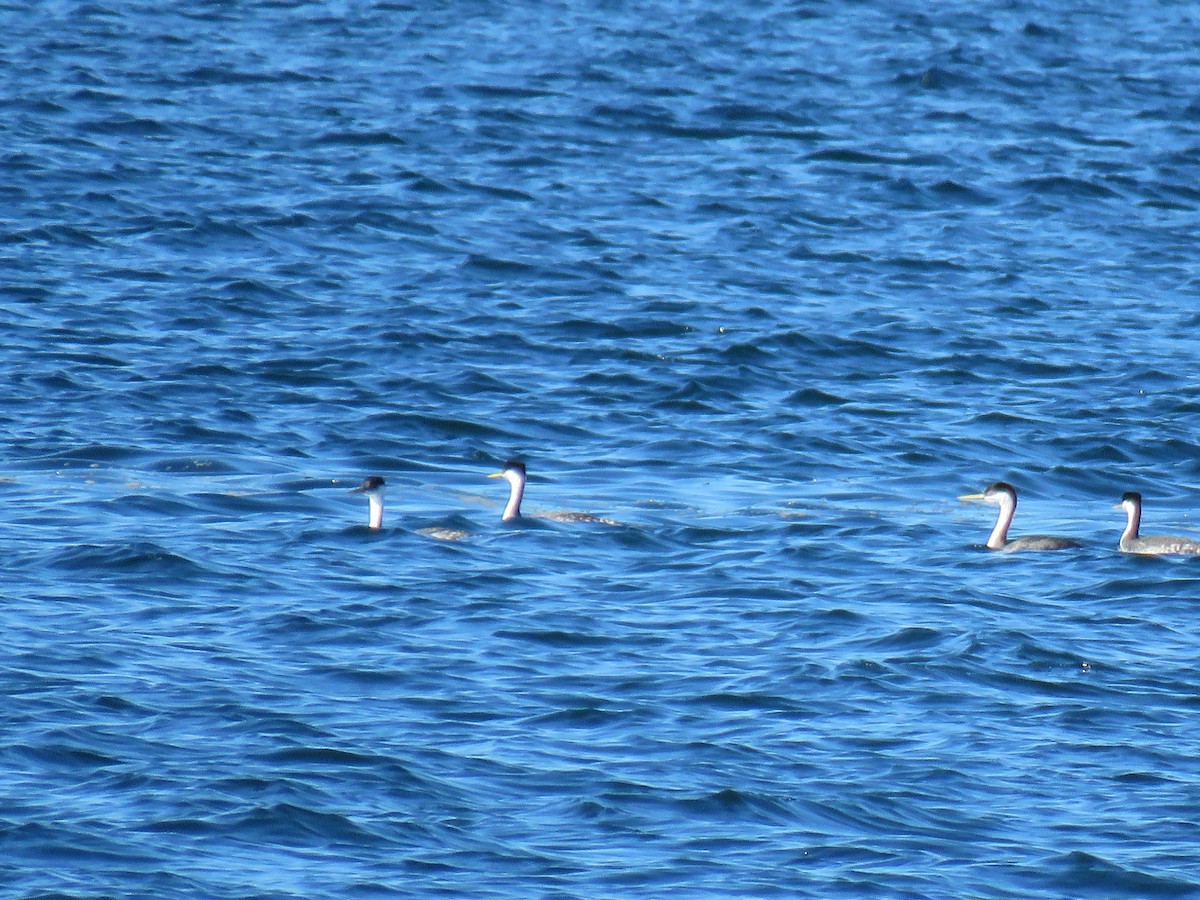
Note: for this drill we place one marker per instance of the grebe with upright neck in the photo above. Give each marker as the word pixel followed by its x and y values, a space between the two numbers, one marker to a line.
pixel 1155 545
pixel 374 487
pixel 1004 495
pixel 514 473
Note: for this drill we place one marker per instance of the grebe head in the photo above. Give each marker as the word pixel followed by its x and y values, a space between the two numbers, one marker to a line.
pixel 1131 497
pixel 1000 493
pixel 374 487
pixel 514 473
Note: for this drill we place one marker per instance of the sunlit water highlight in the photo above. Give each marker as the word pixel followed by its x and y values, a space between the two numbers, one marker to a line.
pixel 768 288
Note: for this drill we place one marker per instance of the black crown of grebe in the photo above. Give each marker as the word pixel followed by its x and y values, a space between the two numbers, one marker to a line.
pixel 1004 495
pixel 1154 545
pixel 374 487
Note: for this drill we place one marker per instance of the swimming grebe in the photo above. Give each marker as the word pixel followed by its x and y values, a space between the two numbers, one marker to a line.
pixel 374 487
pixel 514 473
pixel 1156 545
pixel 1004 495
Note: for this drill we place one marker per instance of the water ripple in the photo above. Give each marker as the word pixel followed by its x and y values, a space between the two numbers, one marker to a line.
pixel 769 286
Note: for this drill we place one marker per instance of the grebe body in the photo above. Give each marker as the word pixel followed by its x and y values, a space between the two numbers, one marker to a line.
pixel 1152 545
pixel 1004 495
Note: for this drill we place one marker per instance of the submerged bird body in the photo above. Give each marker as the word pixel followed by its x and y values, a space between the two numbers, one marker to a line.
pixel 444 534
pixel 374 487
pixel 514 473
pixel 567 516
pixel 1153 545
pixel 1004 495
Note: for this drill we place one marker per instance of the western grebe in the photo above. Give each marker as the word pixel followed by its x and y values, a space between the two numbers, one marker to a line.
pixel 1156 545
pixel 374 487
pixel 514 473
pixel 1004 495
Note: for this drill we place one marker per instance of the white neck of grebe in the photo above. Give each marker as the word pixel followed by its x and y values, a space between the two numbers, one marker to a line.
pixel 516 483
pixel 1133 520
pixel 1008 507
pixel 376 500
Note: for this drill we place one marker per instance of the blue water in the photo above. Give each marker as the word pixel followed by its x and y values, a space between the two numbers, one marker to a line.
pixel 768 287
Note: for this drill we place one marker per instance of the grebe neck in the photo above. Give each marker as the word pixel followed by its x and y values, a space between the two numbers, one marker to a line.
pixel 516 483
pixel 1133 521
pixel 999 536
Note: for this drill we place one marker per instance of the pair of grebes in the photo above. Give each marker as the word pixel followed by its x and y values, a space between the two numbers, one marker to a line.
pixel 513 472
pixel 1003 494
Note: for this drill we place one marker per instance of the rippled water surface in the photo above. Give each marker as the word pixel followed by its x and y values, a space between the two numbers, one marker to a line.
pixel 770 288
